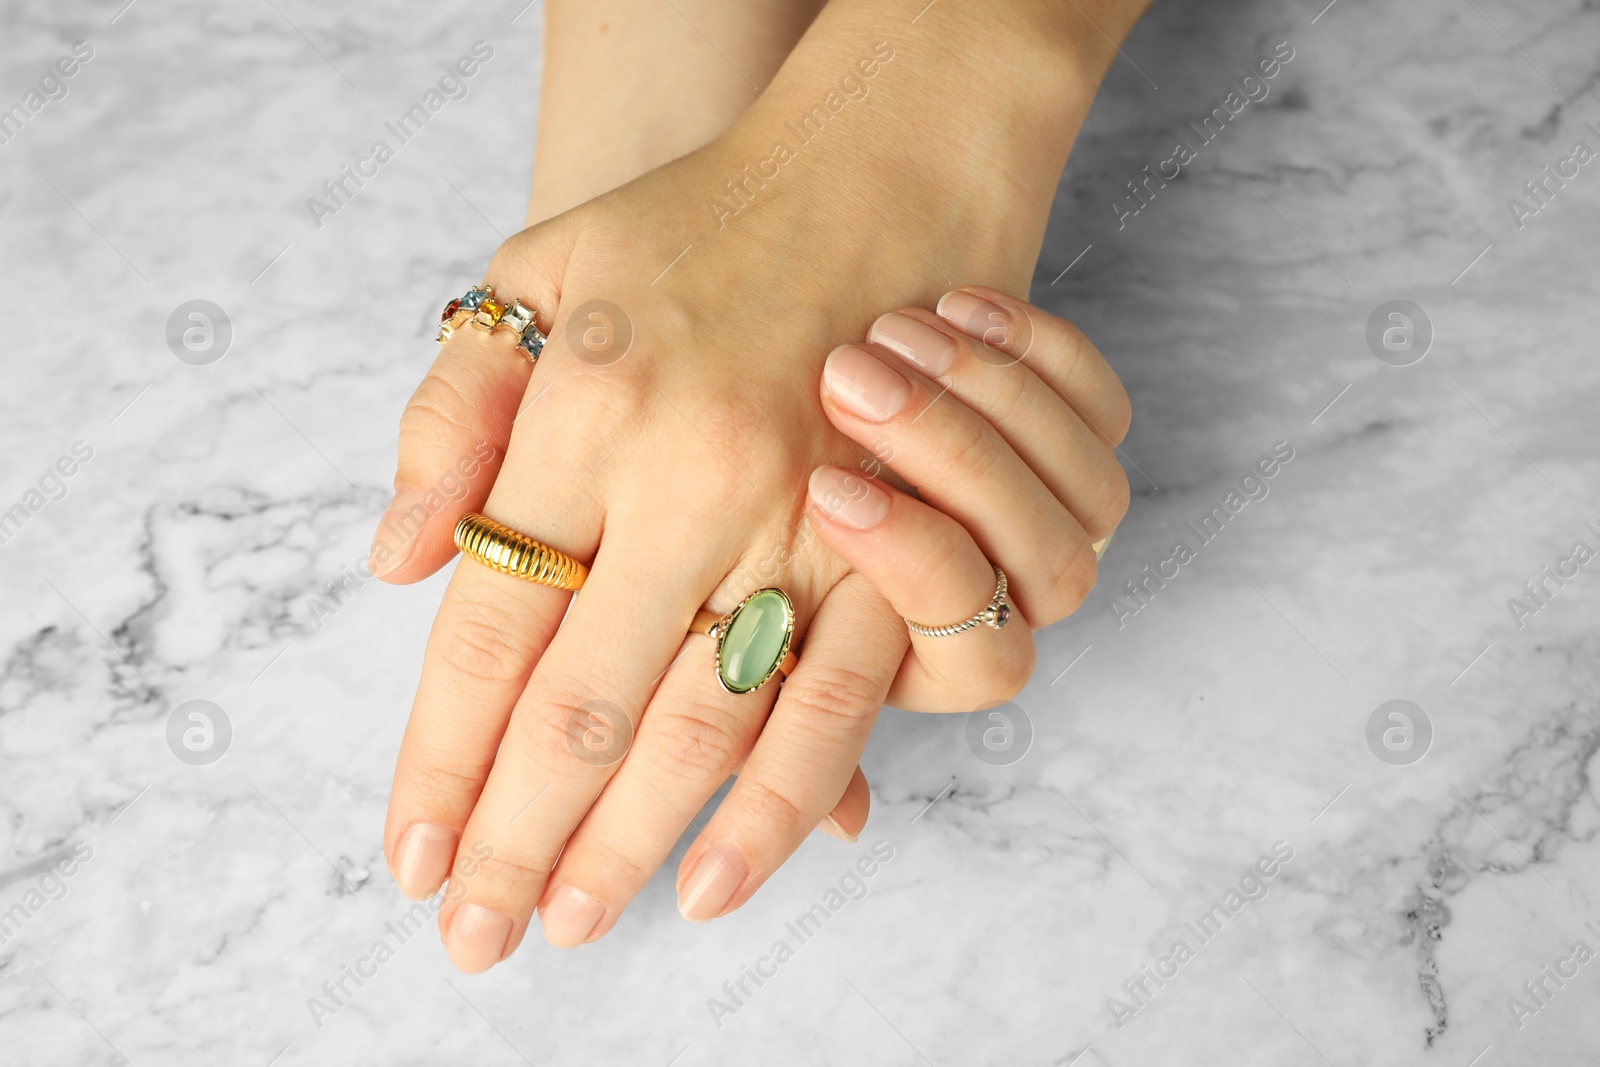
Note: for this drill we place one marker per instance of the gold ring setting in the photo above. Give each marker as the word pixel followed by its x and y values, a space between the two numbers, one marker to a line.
pixel 484 310
pixel 501 548
pixel 994 615
pixel 753 640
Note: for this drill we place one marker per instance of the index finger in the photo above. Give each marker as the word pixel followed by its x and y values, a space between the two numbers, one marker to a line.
pixel 453 435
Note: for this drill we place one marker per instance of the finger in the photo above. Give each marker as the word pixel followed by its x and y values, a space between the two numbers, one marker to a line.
pixel 480 653
pixel 676 763
pixel 484 647
pixel 453 435
pixel 930 570
pixel 805 756
pixel 849 817
pixel 693 735
pixel 1042 427
pixel 962 466
pixel 490 632
pixel 1054 348
pixel 456 427
pixel 619 635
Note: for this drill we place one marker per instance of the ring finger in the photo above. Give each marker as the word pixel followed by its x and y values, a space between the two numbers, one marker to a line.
pixel 929 569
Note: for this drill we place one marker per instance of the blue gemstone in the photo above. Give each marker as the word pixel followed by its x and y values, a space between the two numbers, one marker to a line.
pixel 532 342
pixel 473 298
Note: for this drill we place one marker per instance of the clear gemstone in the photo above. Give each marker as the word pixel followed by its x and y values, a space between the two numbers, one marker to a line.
pixel 518 316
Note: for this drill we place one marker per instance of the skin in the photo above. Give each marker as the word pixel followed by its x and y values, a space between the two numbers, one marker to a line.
pixel 631 84
pixel 680 471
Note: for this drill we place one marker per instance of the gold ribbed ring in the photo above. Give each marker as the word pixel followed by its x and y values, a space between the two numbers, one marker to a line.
pixel 509 552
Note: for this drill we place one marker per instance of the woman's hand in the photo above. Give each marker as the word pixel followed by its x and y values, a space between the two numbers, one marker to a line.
pixel 1005 418
pixel 677 464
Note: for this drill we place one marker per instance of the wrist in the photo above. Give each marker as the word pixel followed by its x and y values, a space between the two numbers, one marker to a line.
pixel 956 133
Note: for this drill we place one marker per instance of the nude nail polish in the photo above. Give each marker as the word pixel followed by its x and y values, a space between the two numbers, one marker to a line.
pixel 422 859
pixel 847 497
pixel 977 318
pixel 929 350
pixel 477 939
pixel 397 534
pixel 864 385
pixel 833 828
pixel 571 916
pixel 711 885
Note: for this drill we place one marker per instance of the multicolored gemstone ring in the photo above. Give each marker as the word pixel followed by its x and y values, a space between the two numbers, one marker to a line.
pixel 481 308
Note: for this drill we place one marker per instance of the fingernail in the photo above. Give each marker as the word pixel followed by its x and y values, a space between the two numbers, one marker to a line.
pixel 833 828
pixel 571 916
pixel 919 344
pixel 397 532
pixel 864 384
pixel 848 497
pixel 477 938
pixel 711 885
pixel 422 859
pixel 977 318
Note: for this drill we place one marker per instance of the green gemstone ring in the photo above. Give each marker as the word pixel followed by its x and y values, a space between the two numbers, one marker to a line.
pixel 752 640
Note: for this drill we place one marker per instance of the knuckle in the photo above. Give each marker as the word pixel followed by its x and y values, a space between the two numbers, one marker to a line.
pixel 566 735
pixel 438 410
pixel 833 699
pixel 1110 504
pixel 446 782
pixel 479 650
pixel 969 441
pixel 770 809
pixel 605 864
pixel 1015 399
pixel 1070 349
pixel 696 744
pixel 1072 577
pixel 513 873
pixel 939 562
pixel 1013 670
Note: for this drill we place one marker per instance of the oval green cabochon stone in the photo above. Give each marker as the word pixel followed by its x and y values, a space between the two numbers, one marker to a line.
pixel 754 642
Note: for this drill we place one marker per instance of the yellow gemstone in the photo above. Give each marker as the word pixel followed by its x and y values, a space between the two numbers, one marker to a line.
pixel 493 309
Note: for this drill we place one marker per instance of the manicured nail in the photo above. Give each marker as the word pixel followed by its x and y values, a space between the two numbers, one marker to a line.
pixel 864 384
pixel 711 885
pixel 478 938
pixel 397 532
pixel 848 497
pixel 422 859
pixel 833 828
pixel 917 343
pixel 929 350
pixel 571 916
pixel 977 318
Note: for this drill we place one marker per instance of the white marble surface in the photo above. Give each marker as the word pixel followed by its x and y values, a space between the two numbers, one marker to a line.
pixel 1228 715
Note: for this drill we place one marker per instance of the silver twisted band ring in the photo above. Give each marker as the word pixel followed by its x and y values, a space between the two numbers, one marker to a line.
pixel 995 614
